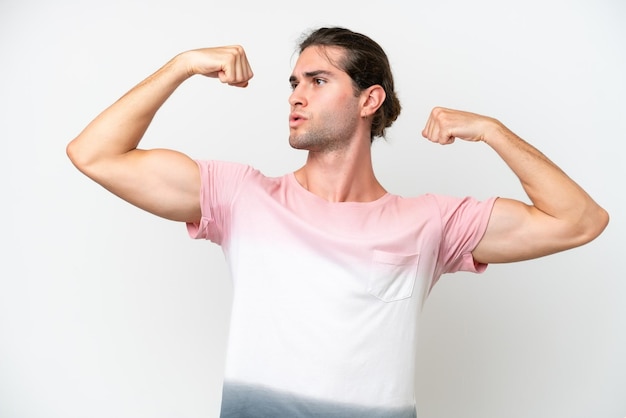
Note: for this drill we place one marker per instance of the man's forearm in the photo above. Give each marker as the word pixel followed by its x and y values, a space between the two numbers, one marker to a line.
pixel 548 187
pixel 120 127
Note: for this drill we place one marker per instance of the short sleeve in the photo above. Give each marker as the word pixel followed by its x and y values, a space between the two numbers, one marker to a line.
pixel 220 184
pixel 464 222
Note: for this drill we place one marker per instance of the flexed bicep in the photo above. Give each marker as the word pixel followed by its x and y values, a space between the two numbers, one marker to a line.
pixel 560 216
pixel 160 181
pixel 517 231
pixel 163 182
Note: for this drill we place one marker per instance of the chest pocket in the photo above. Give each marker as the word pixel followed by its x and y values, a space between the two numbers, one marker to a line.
pixel 392 276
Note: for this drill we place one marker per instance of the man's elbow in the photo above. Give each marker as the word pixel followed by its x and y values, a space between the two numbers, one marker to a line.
pixel 73 153
pixel 594 224
pixel 79 156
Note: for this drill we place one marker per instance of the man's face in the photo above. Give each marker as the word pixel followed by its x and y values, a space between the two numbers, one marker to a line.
pixel 324 108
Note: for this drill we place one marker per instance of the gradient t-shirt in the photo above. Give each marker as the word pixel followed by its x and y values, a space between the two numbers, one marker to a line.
pixel 327 295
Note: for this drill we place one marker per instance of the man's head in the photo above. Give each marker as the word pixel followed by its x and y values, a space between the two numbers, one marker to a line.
pixel 367 64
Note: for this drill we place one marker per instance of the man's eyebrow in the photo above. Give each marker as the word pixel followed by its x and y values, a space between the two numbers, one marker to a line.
pixel 310 74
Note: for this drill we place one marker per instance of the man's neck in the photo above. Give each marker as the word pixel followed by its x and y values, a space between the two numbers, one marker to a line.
pixel 341 176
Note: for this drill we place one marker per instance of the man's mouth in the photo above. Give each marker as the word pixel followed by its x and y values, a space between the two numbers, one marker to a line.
pixel 296 119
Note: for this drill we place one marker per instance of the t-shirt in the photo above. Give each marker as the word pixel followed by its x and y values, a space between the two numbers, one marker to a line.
pixel 327 295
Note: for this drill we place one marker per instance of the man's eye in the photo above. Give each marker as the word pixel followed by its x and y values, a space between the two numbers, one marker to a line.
pixel 319 81
pixel 293 86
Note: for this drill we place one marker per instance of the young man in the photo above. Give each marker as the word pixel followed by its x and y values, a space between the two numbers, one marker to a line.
pixel 329 270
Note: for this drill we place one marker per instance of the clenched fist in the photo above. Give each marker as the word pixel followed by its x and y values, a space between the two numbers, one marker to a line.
pixel 228 63
pixel 445 125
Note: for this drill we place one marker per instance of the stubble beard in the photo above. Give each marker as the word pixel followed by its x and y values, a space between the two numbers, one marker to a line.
pixel 334 134
pixel 315 140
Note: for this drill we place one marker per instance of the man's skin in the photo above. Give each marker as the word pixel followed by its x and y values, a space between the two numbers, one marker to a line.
pixel 333 124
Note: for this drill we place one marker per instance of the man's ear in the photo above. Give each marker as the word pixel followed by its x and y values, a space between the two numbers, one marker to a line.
pixel 373 98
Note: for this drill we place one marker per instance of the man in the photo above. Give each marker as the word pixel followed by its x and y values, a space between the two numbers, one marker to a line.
pixel 329 270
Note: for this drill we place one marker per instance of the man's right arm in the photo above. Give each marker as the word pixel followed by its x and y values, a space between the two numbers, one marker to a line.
pixel 163 182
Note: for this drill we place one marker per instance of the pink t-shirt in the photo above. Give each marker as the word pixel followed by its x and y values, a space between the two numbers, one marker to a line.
pixel 327 295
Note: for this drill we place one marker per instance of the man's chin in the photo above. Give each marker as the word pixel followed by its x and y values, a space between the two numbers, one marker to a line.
pixel 295 144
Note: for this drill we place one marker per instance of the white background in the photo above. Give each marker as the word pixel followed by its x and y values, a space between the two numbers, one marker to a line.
pixel 106 311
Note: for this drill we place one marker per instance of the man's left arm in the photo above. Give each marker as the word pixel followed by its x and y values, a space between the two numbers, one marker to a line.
pixel 562 215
